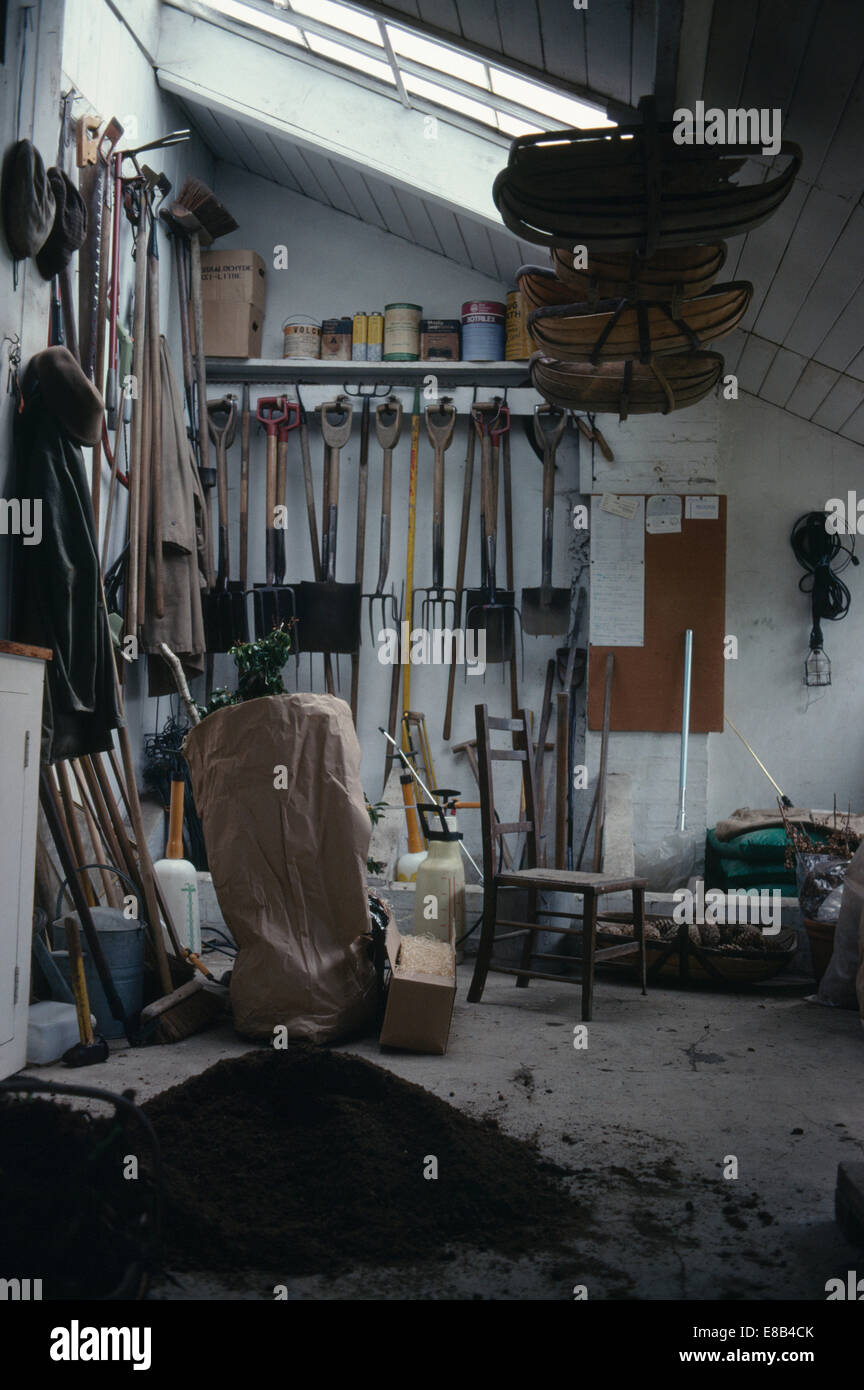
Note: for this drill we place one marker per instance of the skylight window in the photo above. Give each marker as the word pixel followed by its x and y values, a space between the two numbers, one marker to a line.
pixel 340 17
pixel 546 102
pixel 477 110
pixel 438 58
pixel 342 54
pixel 259 19
pixel 441 74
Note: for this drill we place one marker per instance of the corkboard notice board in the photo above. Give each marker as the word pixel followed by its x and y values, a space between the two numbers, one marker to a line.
pixel 685 586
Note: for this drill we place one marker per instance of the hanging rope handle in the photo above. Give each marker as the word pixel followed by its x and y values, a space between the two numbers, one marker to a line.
pixel 111 869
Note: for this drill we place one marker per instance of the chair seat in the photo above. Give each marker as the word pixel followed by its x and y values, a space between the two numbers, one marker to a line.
pixel 567 881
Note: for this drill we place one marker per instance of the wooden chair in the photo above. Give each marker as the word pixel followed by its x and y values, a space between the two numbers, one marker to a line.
pixel 588 886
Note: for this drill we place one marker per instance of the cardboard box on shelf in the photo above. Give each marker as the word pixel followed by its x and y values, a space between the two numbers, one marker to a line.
pixel 234 276
pixel 233 295
pixel 232 330
pixel 419 1007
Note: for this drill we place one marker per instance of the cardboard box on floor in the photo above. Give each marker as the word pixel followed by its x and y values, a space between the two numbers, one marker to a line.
pixel 233 298
pixel 419 1007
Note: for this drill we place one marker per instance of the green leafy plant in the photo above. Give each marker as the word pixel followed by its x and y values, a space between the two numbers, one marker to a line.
pixel 259 669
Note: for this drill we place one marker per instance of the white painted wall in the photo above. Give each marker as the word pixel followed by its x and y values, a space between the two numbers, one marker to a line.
pixel 338 265
pixel 774 467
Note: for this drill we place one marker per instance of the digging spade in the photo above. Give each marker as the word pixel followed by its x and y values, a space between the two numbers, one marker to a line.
pixel 546 611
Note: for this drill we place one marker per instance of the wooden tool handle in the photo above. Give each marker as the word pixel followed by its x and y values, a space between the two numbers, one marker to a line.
pixel 270 499
pixel 174 847
pixel 245 439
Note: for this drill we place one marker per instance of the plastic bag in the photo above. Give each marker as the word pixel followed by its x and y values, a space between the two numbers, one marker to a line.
pixel 817 876
pixel 837 986
pixel 670 863
pixel 829 909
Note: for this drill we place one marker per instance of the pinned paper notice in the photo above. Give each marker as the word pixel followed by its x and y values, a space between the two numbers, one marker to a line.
pixel 702 508
pixel 662 513
pixel 619 506
pixel 617 573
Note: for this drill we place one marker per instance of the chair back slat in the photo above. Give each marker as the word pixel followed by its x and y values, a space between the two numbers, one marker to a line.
pixel 523 753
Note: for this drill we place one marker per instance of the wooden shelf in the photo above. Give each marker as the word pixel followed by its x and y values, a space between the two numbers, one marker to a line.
pixel 313 372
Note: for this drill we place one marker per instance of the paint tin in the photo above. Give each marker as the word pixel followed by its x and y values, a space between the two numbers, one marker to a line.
pixel 375 338
pixel 519 346
pixel 483 323
pixel 336 340
pixel 439 340
pixel 301 339
pixel 402 332
pixel 360 338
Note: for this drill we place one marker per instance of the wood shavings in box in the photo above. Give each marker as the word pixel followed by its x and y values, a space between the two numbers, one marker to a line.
pixel 425 955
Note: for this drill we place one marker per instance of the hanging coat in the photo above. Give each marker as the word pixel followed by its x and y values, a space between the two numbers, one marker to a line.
pixel 183 533
pixel 57 589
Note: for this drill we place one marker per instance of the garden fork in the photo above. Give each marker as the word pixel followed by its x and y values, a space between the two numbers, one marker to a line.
pixel 388 428
pixel 438 599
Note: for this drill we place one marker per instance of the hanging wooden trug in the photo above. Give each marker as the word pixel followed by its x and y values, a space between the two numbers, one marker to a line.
pixel 627 388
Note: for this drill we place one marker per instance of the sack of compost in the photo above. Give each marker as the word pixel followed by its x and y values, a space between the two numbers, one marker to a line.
pixel 277 785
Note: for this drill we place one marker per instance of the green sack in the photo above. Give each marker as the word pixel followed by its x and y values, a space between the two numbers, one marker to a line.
pixel 756 846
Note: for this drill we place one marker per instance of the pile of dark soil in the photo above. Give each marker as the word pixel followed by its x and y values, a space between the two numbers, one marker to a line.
pixel 305 1161
pixel 67 1214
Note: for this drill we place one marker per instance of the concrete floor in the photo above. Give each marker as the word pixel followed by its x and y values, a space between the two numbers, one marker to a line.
pixel 644 1119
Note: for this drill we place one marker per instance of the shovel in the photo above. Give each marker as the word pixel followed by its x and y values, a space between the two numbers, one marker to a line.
pixel 546 611
pixel 329 613
pixel 490 609
pixel 225 608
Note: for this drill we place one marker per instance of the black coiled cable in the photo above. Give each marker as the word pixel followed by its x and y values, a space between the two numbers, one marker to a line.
pixel 817 551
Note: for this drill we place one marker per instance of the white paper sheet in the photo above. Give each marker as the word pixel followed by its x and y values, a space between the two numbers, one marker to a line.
pixel 662 513
pixel 702 508
pixel 617 576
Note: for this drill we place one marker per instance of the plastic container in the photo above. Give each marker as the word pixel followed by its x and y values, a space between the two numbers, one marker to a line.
pixel 439 899
pixel 52 1028
pixel 402 332
pixel 178 880
pixel 483 330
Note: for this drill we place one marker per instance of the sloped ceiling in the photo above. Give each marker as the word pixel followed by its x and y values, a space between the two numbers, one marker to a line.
pixel 802 344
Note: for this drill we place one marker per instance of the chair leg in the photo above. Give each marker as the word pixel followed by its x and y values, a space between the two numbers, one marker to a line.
pixel 589 935
pixel 639 928
pixel 530 946
pixel 487 939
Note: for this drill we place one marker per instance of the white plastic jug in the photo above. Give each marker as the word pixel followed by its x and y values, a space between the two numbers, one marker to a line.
pixel 439 902
pixel 178 878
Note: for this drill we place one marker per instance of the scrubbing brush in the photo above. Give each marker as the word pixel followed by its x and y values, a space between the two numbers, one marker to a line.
pixel 197 209
pixel 185 1011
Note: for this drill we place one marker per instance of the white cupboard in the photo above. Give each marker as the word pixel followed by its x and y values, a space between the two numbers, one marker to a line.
pixel 22 678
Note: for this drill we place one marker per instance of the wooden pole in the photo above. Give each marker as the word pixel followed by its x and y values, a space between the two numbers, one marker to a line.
pixel 562 726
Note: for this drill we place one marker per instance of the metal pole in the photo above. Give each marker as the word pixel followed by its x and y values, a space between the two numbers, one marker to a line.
pixel 685 725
